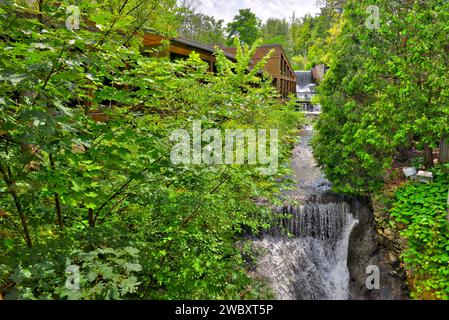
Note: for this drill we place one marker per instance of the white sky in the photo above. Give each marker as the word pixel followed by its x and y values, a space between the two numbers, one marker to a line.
pixel 264 9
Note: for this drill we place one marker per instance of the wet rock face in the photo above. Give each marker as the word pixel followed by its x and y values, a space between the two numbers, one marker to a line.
pixel 367 248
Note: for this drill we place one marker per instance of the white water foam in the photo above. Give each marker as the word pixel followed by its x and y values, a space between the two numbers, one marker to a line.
pixel 312 266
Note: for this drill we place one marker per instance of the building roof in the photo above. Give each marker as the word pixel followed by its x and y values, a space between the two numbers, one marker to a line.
pixel 262 52
pixel 202 46
pixel 151 39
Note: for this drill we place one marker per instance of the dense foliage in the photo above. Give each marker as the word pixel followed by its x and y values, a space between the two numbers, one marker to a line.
pixel 419 211
pixel 246 26
pixel 104 195
pixel 200 27
pixel 310 36
pixel 386 91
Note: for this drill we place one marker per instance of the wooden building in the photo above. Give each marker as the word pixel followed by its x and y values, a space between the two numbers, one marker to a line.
pixel 180 48
pixel 278 66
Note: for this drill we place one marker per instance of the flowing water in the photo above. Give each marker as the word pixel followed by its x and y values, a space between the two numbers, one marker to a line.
pixel 322 243
pixel 311 263
pixel 305 91
pixel 304 76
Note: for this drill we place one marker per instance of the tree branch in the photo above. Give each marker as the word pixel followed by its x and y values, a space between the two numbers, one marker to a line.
pixel 12 190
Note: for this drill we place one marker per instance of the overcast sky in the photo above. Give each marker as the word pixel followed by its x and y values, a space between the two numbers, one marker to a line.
pixel 264 9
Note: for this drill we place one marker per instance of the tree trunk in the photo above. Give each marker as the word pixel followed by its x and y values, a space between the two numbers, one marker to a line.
pixel 91 218
pixel 57 199
pixel 41 11
pixel 403 153
pixel 59 211
pixel 428 157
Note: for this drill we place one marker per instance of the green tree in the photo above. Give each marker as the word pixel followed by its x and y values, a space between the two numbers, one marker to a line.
pixel 276 31
pixel 246 26
pixel 300 33
pixel 199 27
pixel 275 28
pixel 385 91
pixel 102 193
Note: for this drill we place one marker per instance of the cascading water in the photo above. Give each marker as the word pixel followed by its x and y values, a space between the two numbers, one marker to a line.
pixel 310 263
pixel 305 90
pixel 304 77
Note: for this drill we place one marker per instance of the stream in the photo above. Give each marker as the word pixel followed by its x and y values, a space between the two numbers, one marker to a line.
pixel 322 252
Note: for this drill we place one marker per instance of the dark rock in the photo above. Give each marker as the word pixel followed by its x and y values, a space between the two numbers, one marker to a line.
pixel 381 241
pixel 393 259
pixel 366 249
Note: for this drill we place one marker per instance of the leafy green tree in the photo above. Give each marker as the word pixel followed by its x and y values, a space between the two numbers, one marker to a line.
pixel 86 177
pixel 246 26
pixel 202 28
pixel 385 91
pixel 300 32
pixel 275 28
pixel 310 36
pixel 276 31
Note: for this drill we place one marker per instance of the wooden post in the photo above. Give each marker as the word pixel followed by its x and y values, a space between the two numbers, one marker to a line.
pixel 444 150
pixel 428 157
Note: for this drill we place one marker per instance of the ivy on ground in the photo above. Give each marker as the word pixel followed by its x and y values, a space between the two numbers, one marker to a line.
pixel 419 211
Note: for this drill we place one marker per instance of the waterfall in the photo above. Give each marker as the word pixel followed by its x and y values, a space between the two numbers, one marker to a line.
pixel 312 265
pixel 305 90
pixel 304 77
pixel 304 255
pixel 307 254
